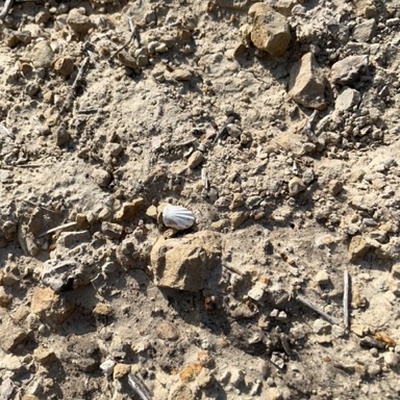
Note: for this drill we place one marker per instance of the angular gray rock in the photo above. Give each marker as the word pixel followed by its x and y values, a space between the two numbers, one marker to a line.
pixel 346 70
pixel 364 31
pixel 296 186
pixel 185 263
pixel 306 85
pixel 65 275
pixel 347 99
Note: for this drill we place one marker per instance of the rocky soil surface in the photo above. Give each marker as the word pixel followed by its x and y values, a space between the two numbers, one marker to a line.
pixel 274 127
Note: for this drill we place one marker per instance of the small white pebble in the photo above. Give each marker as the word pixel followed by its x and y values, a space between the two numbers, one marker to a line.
pixel 391 359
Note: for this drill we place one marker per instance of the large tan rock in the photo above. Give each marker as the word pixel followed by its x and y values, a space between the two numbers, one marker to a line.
pixel 50 307
pixel 270 31
pixel 185 263
pixel 306 86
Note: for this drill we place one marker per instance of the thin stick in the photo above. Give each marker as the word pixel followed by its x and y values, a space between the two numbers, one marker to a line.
pixel 346 295
pixel 81 71
pixel 6 131
pixel 222 131
pixel 204 178
pixel 232 269
pixel 58 228
pixel 323 314
pixel 77 81
pixel 6 9
pixel 31 165
pixel 134 36
pixel 139 387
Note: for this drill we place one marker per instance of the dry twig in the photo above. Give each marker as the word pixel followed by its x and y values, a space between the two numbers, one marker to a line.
pixel 78 80
pixel 139 387
pixel 134 36
pixel 346 295
pixel 311 306
pixel 32 165
pixel 58 228
pixel 204 178
pixel 6 9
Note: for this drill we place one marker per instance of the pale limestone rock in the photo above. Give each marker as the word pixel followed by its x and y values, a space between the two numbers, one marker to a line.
pixel 364 31
pixel 347 99
pixel 129 210
pixel 306 86
pixel 184 263
pixel 296 186
pixel 322 277
pixel 42 55
pixel 321 327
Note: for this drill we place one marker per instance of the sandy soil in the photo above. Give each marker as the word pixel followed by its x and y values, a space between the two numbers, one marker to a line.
pixel 110 110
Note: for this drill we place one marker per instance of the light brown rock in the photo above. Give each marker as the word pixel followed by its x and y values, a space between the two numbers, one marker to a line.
pixel 296 186
pixel 111 229
pixel 358 247
pixel 102 310
pixel 101 177
pixel 42 55
pixel 195 159
pixel 128 61
pixel 306 85
pixel 11 334
pixel 181 392
pixel 64 66
pixel 190 372
pixel 5 299
pixel 182 75
pixel 120 370
pixel 167 331
pixel 184 263
pixel 30 397
pixel 44 356
pixel 49 307
pixel 270 31
pixel 283 7
pixel 335 186
pixel 78 21
pixel 129 210
pixel 11 363
pixel 322 277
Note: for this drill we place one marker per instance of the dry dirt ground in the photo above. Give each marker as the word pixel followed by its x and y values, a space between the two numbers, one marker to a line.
pixel 110 109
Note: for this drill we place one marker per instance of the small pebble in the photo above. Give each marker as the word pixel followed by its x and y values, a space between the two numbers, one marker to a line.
pixel 391 359
pixel 322 277
pixel 322 327
pixel 374 352
pixel 195 159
